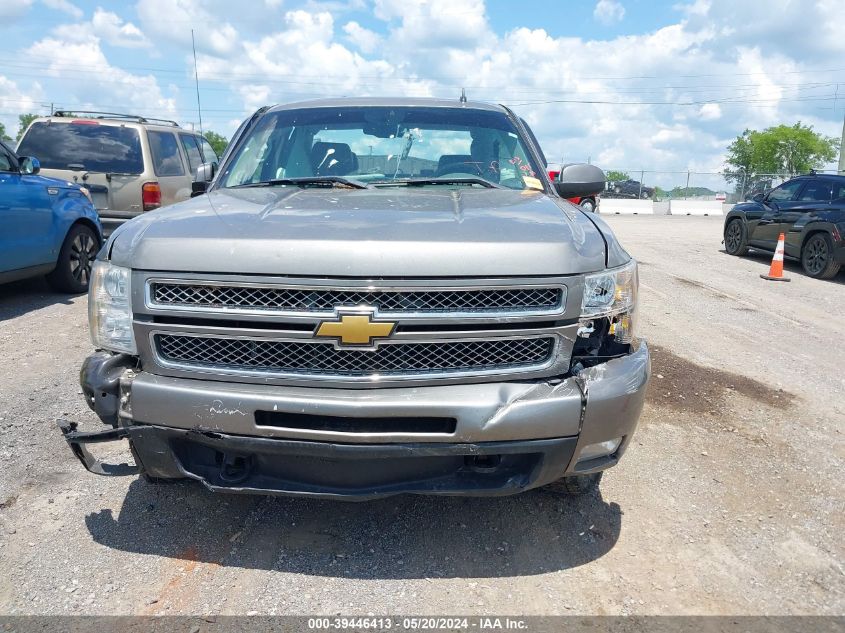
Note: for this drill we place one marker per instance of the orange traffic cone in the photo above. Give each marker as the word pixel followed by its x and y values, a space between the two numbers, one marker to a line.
pixel 776 269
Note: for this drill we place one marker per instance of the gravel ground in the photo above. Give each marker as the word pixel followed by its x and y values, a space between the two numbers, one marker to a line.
pixel 730 500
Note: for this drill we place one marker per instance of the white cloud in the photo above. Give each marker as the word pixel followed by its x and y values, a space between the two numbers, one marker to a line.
pixel 435 24
pixel 105 26
pixel 710 112
pixel 65 7
pixel 116 32
pixel 121 90
pixel 609 11
pixel 173 20
pixel 15 99
pixel 363 39
pixel 10 11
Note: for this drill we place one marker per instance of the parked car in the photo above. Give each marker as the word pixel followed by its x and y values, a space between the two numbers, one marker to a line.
pixel 47 226
pixel 588 202
pixel 808 210
pixel 327 330
pixel 628 189
pixel 130 164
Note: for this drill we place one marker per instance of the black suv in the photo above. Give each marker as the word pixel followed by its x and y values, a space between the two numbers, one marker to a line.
pixel 628 189
pixel 809 210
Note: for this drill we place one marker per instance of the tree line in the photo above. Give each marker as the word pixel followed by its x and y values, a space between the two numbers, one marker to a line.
pixel 217 141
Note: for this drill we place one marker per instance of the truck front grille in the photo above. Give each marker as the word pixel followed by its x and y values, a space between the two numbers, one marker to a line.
pixel 308 358
pixel 247 297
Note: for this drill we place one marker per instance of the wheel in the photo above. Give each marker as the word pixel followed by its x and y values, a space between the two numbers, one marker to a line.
pixel 645 195
pixel 588 204
pixel 736 237
pixel 817 257
pixel 73 268
pixel 575 484
pixel 617 189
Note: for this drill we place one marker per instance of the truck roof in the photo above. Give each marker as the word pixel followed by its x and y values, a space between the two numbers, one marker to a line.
pixel 403 102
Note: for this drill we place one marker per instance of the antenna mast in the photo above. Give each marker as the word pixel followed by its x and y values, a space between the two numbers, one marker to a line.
pixel 197 80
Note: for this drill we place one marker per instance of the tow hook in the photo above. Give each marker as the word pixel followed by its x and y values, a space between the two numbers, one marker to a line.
pixel 234 468
pixel 77 441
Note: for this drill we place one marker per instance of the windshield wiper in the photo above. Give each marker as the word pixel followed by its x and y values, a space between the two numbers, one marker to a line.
pixel 317 181
pixel 469 180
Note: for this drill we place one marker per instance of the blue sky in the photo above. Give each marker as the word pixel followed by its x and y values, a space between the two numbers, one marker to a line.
pixel 631 84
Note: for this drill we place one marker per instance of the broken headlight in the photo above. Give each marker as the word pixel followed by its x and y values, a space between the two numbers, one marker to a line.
pixel 110 308
pixel 612 295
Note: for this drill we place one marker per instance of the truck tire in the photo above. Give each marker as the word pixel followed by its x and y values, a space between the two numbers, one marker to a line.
pixel 817 257
pixel 73 267
pixel 588 204
pixel 736 238
pixel 575 485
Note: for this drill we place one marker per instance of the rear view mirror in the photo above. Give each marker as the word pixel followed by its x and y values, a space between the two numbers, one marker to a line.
pixel 579 180
pixel 29 165
pixel 205 174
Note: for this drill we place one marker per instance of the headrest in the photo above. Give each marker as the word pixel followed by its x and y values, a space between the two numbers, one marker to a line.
pixel 333 159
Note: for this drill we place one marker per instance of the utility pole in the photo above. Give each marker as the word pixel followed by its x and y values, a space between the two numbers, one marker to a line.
pixel 842 149
pixel 197 80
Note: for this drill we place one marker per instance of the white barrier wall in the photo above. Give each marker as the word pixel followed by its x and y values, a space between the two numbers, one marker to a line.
pixel 695 207
pixel 621 206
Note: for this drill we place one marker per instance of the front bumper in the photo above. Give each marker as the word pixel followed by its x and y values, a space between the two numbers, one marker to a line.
pixel 506 437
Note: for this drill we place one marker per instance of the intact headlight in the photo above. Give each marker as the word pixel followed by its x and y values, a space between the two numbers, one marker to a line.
pixel 110 308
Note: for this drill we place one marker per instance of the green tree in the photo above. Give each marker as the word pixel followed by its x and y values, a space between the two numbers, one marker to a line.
pixel 781 150
pixel 3 136
pixel 23 122
pixel 616 176
pixel 218 142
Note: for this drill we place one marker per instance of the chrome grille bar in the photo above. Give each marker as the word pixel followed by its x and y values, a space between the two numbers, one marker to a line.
pixel 311 359
pixel 317 301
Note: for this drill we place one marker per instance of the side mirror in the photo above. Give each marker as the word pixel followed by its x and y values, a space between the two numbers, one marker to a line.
pixel 205 174
pixel 29 165
pixel 758 197
pixel 579 180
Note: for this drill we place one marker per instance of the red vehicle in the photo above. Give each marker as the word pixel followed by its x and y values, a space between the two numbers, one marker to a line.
pixel 588 203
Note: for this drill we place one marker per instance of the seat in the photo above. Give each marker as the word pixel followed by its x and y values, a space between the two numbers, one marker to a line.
pixel 456 164
pixel 333 159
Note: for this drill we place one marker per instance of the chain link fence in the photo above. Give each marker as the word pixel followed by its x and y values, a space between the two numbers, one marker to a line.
pixel 663 186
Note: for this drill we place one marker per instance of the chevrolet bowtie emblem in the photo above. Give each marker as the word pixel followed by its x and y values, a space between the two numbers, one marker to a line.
pixel 355 329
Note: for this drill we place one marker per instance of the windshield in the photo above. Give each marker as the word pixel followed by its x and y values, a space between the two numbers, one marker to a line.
pixel 88 145
pixel 383 145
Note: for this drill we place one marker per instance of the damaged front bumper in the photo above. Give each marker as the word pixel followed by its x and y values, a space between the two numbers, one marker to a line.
pixel 468 439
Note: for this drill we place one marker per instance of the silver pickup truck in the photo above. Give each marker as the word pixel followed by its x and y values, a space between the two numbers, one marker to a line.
pixel 369 297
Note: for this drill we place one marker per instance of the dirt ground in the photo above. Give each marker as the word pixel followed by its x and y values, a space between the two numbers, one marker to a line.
pixel 730 500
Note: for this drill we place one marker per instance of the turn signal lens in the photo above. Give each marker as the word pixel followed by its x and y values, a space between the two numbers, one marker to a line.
pixel 151 196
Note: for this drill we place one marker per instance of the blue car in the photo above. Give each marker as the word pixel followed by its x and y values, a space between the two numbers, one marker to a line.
pixel 47 226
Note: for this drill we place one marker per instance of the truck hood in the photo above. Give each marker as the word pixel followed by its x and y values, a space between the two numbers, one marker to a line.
pixel 386 232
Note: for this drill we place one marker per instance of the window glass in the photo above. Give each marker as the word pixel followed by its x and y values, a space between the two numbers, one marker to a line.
pixel 786 191
pixel 166 159
pixel 381 144
pixel 100 148
pixel 816 190
pixel 208 152
pixel 5 160
pixel 839 192
pixel 191 151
